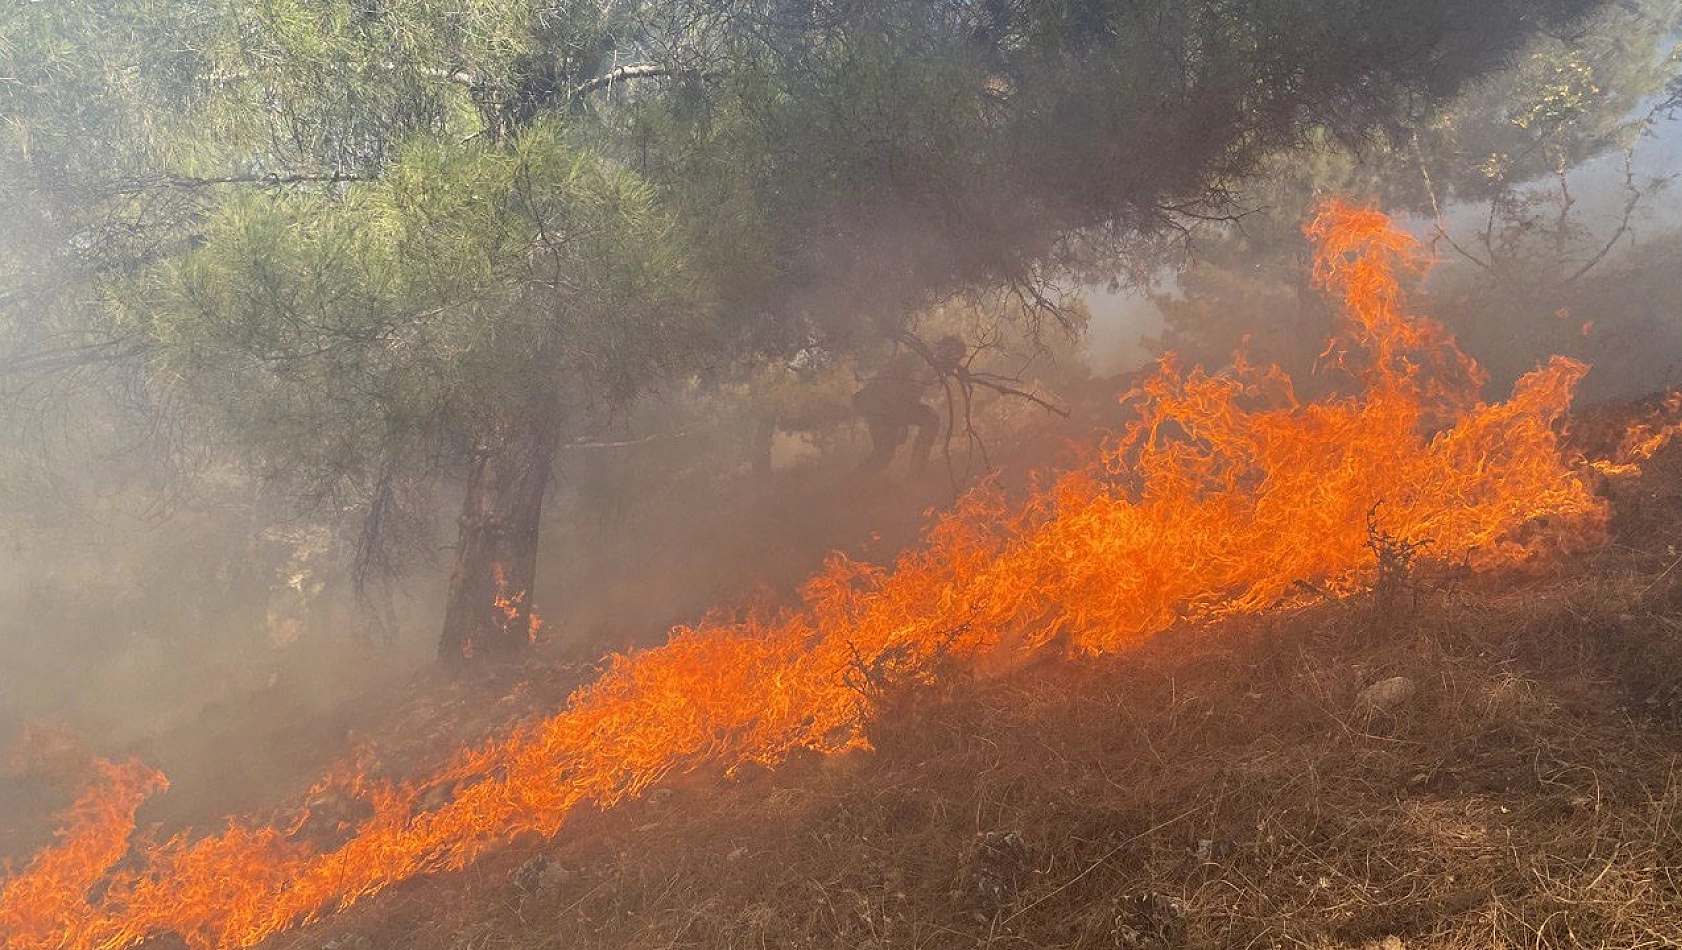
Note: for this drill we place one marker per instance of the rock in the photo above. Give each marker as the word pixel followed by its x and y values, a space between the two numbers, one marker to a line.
pixel 528 875
pixel 556 876
pixel 1128 936
pixel 1151 919
pixel 1212 851
pixel 542 874
pixel 996 867
pixel 1386 695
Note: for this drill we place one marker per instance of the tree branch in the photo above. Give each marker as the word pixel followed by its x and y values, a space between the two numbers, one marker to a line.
pixel 621 74
pixel 1439 229
pixel 1632 200
pixel 140 186
pixel 999 385
pixel 47 361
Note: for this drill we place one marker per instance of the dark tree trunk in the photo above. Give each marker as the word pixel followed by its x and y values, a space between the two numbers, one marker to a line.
pixel 488 614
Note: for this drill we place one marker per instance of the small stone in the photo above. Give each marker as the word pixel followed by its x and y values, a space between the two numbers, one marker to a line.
pixel 659 797
pixel 529 873
pixel 555 877
pixel 1164 907
pixel 542 874
pixel 1212 851
pixel 1386 695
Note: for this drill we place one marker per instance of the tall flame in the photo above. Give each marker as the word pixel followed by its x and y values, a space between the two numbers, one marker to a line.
pixel 1223 496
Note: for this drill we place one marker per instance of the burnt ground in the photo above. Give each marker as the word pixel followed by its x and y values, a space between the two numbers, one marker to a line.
pixel 1242 784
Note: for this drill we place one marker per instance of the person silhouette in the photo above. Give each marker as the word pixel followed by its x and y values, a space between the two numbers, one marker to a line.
pixel 891 403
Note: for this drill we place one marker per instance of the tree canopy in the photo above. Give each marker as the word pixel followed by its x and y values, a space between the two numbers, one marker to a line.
pixel 1498 177
pixel 366 241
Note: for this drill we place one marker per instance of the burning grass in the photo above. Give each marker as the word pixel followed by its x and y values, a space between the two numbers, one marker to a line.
pixel 1228 497
pixel 1221 786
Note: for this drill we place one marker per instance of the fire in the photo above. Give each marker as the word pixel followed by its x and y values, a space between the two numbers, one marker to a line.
pixel 508 606
pixel 1222 496
pixel 48 906
pixel 1644 439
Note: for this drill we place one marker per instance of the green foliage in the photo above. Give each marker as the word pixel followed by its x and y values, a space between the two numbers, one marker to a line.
pixel 893 152
pixel 334 331
pixel 1570 97
pixel 355 235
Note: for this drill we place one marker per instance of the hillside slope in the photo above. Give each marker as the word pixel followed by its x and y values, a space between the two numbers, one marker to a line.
pixel 1512 782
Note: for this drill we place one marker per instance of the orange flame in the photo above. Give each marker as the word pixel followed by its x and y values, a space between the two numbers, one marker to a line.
pixel 510 605
pixel 1644 439
pixel 48 905
pixel 1224 494
pixel 507 607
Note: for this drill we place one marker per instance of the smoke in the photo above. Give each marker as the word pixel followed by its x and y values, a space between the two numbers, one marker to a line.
pixel 206 623
pixel 188 617
pixel 1588 270
pixel 1124 324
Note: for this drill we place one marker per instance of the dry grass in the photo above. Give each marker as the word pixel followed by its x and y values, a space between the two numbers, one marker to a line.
pixel 1221 787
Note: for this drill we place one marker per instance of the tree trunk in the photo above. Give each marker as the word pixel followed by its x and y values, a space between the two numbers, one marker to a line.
pixel 488 614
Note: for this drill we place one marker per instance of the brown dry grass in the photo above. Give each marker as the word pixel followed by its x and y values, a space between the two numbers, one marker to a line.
pixel 1220 787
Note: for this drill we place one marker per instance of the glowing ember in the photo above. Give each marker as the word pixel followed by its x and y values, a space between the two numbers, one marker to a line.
pixel 1224 494
pixel 508 607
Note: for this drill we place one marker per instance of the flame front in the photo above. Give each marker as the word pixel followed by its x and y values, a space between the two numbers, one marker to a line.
pixel 1224 496
pixel 1645 438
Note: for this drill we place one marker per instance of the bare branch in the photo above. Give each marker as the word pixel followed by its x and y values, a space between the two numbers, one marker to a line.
pixel 1632 199
pixel 1440 232
pixel 138 186
pixel 621 443
pixel 104 352
pixel 999 385
pixel 621 74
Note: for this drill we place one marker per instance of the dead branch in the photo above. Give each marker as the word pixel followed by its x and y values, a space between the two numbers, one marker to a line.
pixel 1439 231
pixel 619 75
pixel 1001 385
pixel 1632 200
pixel 136 186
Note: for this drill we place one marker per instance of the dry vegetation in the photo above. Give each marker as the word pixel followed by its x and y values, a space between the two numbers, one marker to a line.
pixel 1235 785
